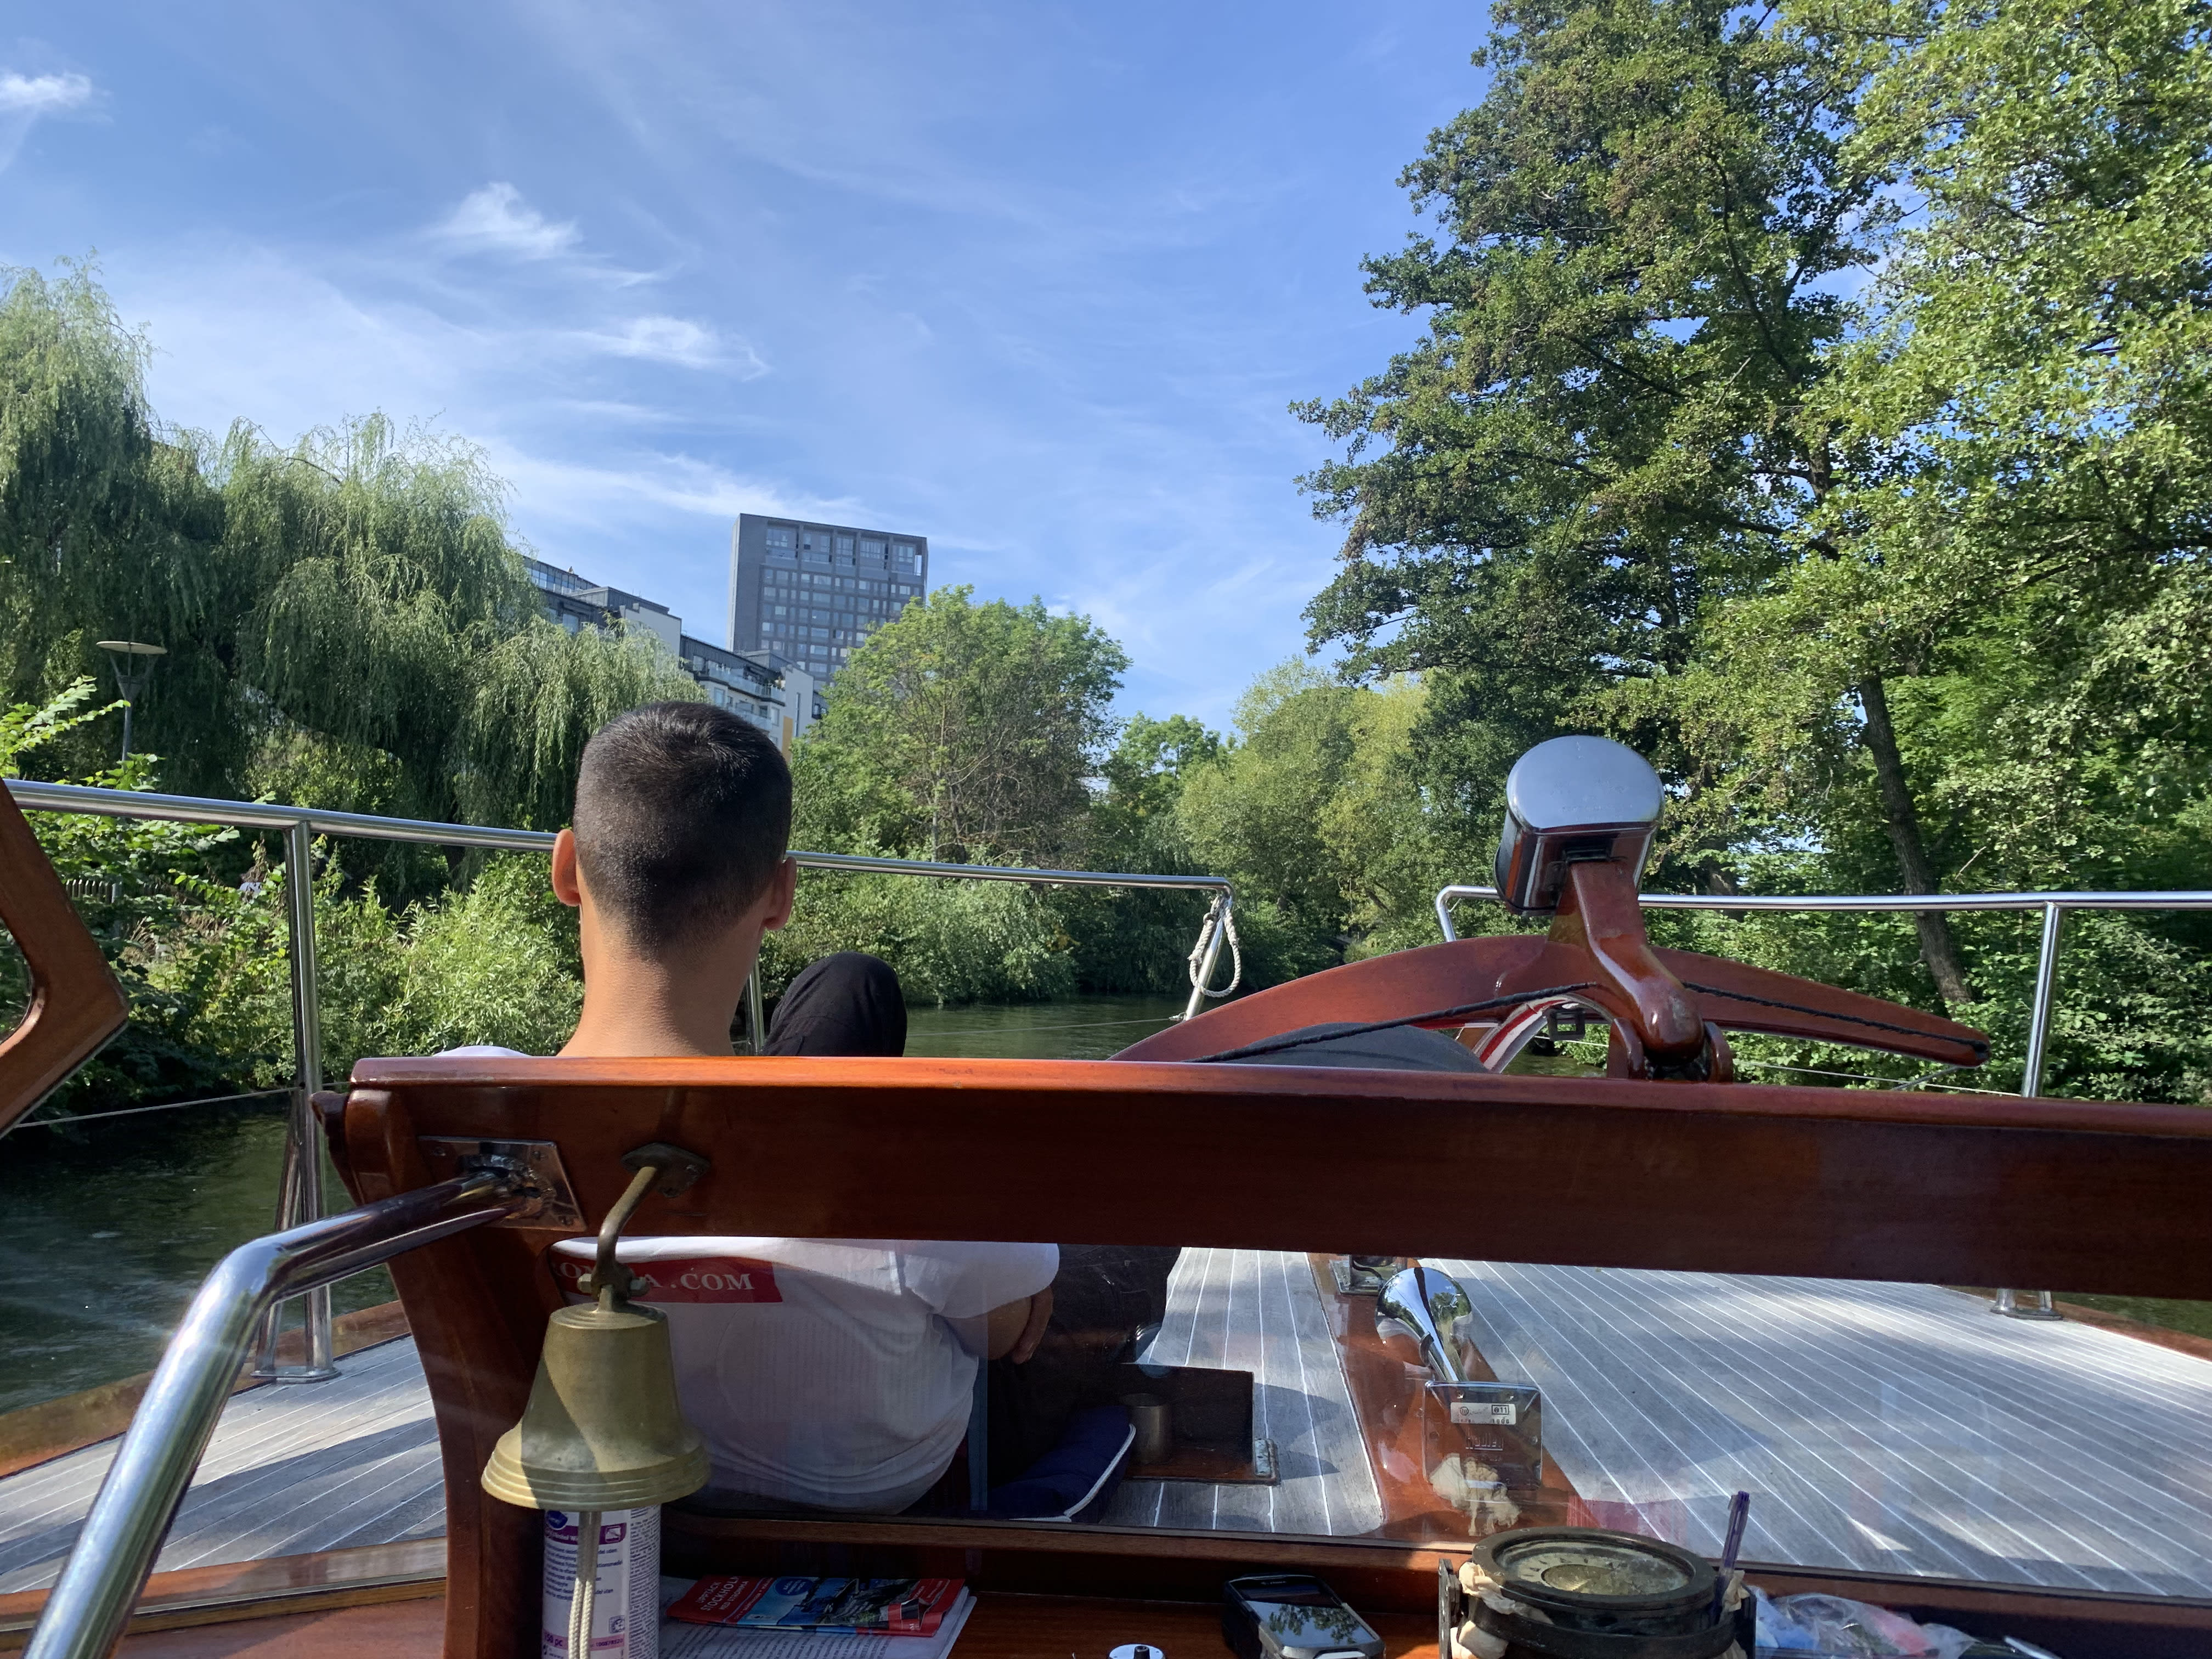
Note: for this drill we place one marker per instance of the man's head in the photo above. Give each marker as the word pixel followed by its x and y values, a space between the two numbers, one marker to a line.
pixel 683 816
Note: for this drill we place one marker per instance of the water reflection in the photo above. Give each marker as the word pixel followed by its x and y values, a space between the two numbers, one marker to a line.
pixel 1088 1027
pixel 113 1226
pixel 117 1223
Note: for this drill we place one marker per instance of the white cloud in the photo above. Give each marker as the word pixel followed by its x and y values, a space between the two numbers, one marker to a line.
pixel 42 95
pixel 677 340
pixel 496 219
pixel 25 99
pixel 587 493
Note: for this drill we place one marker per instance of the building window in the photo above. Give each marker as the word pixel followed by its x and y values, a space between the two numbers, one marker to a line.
pixel 871 550
pixel 902 556
pixel 814 546
pixel 779 541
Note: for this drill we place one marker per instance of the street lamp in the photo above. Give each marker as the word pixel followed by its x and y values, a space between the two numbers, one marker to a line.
pixel 134 661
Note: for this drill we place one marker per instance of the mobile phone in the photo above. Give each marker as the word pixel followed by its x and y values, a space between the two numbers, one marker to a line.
pixel 1292 1616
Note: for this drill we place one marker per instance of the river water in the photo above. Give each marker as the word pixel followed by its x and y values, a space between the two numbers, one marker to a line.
pixel 106 1230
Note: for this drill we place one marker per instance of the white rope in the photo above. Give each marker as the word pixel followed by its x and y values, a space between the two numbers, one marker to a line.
pixel 1227 915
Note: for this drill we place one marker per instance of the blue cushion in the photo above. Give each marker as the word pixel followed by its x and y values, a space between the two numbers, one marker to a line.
pixel 1073 1481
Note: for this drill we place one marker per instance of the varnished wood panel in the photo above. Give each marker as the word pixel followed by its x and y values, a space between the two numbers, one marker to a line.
pixel 401 1630
pixel 1007 1626
pixel 1596 1172
pixel 1736 996
pixel 76 1004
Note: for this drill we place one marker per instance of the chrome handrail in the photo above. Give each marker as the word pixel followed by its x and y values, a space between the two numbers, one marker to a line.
pixel 301 1196
pixel 2054 907
pixel 116 1548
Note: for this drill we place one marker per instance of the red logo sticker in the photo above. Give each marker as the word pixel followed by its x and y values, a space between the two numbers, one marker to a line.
pixel 689 1279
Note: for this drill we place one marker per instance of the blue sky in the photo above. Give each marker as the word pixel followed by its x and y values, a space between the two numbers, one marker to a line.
pixel 1034 281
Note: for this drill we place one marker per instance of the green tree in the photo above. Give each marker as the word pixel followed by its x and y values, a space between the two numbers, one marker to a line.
pixel 1130 939
pixel 1314 813
pixel 965 731
pixel 1613 421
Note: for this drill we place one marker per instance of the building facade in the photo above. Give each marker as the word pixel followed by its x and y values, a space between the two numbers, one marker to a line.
pixel 782 698
pixel 810 592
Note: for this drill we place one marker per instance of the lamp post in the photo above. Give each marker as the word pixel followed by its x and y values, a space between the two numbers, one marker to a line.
pixel 134 661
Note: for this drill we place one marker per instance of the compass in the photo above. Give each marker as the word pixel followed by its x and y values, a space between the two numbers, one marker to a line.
pixel 1615 1592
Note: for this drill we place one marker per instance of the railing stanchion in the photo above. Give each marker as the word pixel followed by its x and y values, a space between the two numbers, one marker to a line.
pixel 1206 952
pixel 2009 1302
pixel 756 1019
pixel 300 1199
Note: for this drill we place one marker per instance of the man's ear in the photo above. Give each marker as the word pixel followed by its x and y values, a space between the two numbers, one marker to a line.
pixel 782 893
pixel 567 886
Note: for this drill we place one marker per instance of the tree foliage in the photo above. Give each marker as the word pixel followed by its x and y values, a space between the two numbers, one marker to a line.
pixel 350 612
pixel 965 731
pixel 1817 400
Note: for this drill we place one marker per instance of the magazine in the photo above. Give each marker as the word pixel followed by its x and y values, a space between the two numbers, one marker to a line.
pixel 894 1607
pixel 682 1640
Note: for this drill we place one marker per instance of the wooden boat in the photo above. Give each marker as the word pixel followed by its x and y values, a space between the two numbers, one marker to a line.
pixel 1638 1171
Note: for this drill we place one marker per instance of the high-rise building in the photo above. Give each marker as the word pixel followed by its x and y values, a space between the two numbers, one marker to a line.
pixel 780 698
pixel 810 592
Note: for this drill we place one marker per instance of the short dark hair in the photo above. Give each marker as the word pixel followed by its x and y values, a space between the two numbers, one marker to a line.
pixel 682 813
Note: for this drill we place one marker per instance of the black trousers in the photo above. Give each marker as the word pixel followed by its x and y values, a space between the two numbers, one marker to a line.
pixel 848 1004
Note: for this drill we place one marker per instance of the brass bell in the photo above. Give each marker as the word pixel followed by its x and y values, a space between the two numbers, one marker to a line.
pixel 604 1429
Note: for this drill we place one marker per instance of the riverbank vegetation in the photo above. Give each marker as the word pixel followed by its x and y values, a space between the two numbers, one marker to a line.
pixel 1819 400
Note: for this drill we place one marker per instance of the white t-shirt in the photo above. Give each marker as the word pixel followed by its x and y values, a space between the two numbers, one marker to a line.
pixel 836 1372
pixel 832 1372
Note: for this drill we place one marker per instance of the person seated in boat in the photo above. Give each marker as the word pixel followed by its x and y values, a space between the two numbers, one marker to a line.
pixel 833 1374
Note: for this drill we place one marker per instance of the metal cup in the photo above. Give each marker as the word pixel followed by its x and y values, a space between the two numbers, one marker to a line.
pixel 1154 1421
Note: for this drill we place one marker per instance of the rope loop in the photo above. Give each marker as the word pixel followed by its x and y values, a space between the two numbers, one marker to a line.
pixel 1223 915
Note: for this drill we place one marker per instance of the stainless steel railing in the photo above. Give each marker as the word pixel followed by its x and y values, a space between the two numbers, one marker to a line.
pixel 115 1549
pixel 2054 907
pixel 301 1198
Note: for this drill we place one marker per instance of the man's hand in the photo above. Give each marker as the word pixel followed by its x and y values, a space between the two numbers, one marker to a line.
pixel 1033 1330
pixel 1017 1327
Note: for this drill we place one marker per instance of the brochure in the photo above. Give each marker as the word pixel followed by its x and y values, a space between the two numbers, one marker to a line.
pixel 683 1640
pixel 894 1607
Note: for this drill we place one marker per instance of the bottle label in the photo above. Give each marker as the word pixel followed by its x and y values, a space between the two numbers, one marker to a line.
pixel 626 1614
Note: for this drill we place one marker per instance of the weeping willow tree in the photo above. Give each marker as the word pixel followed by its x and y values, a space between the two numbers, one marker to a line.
pixel 346 620
pixel 107 528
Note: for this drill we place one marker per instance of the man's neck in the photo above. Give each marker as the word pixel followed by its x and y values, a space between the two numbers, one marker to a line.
pixel 638 1007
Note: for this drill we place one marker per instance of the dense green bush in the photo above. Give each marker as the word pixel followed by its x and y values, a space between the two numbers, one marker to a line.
pixel 950 941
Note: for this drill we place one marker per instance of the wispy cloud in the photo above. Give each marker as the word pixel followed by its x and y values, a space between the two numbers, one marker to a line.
pixel 24 98
pixel 677 340
pixel 43 94
pixel 496 219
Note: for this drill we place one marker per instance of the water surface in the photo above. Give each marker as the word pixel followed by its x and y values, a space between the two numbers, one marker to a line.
pixel 108 1229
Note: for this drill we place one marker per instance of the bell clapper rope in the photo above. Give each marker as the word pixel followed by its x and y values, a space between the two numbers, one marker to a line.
pixel 584 1596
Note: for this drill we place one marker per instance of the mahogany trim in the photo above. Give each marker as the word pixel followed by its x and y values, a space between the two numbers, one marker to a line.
pixel 1736 996
pixel 76 1004
pixel 1577 1171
